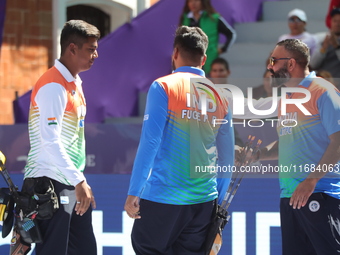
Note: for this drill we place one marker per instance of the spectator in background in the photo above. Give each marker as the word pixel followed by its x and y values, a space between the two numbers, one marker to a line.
pixel 264 90
pixel 220 72
pixel 332 5
pixel 326 75
pixel 297 21
pixel 219 69
pixel 327 55
pixel 200 13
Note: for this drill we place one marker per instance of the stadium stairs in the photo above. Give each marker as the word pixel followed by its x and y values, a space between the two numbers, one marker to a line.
pixel 247 57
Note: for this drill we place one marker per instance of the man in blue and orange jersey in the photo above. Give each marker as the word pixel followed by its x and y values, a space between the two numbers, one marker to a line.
pixel 172 195
pixel 309 145
pixel 57 154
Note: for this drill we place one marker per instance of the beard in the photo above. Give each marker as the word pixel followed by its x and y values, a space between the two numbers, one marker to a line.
pixel 280 77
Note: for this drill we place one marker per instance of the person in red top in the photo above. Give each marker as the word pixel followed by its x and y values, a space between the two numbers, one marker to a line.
pixel 332 5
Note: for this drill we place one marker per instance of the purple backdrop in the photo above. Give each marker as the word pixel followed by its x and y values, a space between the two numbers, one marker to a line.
pixel 135 54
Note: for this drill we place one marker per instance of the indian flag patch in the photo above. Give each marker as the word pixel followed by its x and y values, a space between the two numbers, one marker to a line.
pixel 52 121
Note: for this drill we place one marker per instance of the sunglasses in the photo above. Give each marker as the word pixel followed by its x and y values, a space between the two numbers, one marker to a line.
pixel 272 60
pixel 294 20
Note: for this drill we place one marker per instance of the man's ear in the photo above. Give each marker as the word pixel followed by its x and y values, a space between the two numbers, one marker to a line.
pixel 72 47
pixel 204 59
pixel 175 53
pixel 291 64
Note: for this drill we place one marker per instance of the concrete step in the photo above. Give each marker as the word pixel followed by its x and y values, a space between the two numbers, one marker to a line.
pixel 269 31
pixel 245 75
pixel 247 63
pixel 278 10
pixel 248 53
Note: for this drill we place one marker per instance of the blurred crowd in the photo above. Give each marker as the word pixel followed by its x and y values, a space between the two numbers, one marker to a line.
pixel 324 47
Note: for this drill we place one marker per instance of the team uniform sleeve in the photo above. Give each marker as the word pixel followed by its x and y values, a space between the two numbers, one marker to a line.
pixel 51 100
pixel 225 148
pixel 153 126
pixel 227 30
pixel 329 109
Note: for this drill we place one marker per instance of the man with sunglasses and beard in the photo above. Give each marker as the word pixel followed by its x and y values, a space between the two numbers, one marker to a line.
pixel 310 147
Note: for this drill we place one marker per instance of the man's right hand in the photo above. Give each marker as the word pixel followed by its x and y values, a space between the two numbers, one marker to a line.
pixel 132 207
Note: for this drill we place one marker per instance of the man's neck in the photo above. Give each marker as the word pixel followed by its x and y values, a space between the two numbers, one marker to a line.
pixel 186 64
pixel 295 80
pixel 68 66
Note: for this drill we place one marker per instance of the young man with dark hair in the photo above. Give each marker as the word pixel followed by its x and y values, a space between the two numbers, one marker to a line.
pixel 171 203
pixel 310 148
pixel 57 154
pixel 219 69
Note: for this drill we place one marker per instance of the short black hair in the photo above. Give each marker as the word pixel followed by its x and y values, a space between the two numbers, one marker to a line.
pixel 221 61
pixel 77 32
pixel 191 42
pixel 335 11
pixel 298 50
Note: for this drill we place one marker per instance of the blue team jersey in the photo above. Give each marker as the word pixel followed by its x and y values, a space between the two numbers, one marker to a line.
pixel 302 146
pixel 178 141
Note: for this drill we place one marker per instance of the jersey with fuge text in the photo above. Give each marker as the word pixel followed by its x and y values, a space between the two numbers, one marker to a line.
pixel 178 143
